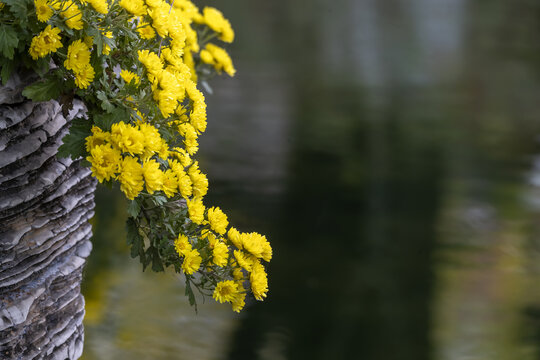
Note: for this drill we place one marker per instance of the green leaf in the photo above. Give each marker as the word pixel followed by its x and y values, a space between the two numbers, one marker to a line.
pixel 106 120
pixel 134 239
pixel 133 209
pixel 8 41
pixel 74 143
pixel 160 200
pixel 8 67
pixel 105 103
pixel 157 265
pixel 43 90
pixel 19 8
pixel 190 294
pixel 41 66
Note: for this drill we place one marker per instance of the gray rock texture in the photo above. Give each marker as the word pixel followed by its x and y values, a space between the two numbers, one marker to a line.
pixel 45 205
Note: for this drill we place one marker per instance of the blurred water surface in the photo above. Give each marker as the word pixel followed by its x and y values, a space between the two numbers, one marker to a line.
pixel 390 152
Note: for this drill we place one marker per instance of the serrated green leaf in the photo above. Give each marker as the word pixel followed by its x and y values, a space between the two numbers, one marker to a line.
pixel 43 90
pixel 74 143
pixel 105 103
pixel 133 209
pixel 8 41
pixel 160 199
pixel 19 8
pixel 106 120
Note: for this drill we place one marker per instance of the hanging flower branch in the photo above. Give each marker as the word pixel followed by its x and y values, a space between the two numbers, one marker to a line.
pixel 136 64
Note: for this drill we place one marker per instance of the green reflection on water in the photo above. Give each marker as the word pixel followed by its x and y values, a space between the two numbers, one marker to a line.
pixel 394 188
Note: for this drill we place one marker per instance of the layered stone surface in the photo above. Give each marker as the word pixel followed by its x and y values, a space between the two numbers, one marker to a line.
pixel 45 205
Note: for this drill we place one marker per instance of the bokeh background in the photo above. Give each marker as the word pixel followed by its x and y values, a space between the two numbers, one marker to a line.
pixel 389 149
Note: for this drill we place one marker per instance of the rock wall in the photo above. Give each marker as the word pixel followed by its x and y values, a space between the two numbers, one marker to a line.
pixel 45 205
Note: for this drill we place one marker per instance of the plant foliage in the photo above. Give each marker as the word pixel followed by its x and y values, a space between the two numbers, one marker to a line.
pixel 137 64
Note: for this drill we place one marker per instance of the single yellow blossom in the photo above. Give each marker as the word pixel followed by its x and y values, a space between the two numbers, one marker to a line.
pixel 135 7
pixel 259 281
pixel 220 254
pixel 43 10
pixel 127 138
pixel 131 177
pixel 105 161
pixel 196 210
pixel 129 76
pixel 46 42
pixel 218 220
pixel 225 291
pixel 84 77
pixel 78 56
pixel 153 176
pixel 182 245
pixel 192 261
pixel 101 6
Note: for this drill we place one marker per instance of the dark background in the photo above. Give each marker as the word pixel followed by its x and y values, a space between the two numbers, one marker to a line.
pixel 389 151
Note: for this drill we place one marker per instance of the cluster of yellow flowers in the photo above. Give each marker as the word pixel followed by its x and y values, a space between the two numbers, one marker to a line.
pixel 240 252
pixel 145 58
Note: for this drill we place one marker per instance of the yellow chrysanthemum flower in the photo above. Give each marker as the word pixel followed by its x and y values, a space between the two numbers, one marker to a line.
pixel 78 56
pixel 259 281
pixel 153 176
pixel 145 30
pixel 182 245
pixel 131 177
pixel 184 181
pixel 84 77
pixel 151 61
pixel 235 238
pixel 217 22
pixel 218 58
pixel 218 220
pixel 243 260
pixel 105 161
pixel 192 262
pixel 185 185
pixel 253 243
pixel 135 7
pixel 225 291
pixel 220 254
pixel 98 137
pixel 198 113
pixel 182 156
pixel 101 6
pixel 129 76
pixel 196 210
pixel 206 57
pixel 127 138
pixel 199 181
pixel 72 15
pixel 239 302
pixel 190 137
pixel 170 183
pixel 160 18
pixel 267 251
pixel 46 42
pixel 43 10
